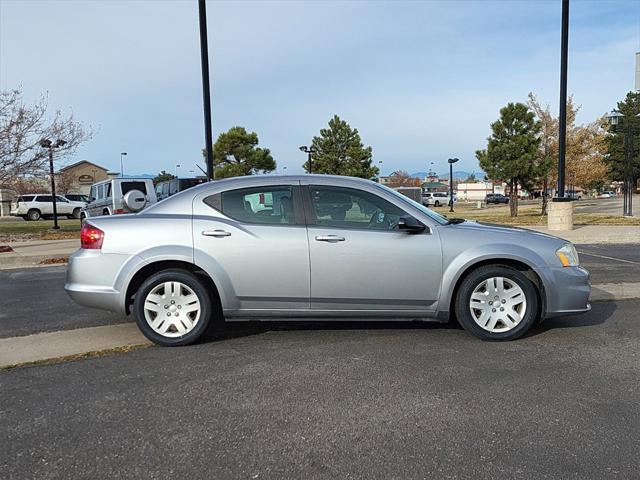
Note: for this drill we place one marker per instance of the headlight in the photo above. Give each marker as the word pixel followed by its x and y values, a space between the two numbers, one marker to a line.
pixel 568 255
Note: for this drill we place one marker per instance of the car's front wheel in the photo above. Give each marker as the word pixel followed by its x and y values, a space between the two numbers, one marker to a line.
pixel 173 308
pixel 436 203
pixel 33 215
pixel 497 302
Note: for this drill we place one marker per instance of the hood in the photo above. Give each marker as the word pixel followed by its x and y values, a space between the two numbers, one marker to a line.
pixel 473 226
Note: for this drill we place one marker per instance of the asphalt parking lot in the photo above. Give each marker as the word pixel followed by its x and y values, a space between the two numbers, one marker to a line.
pixel 340 400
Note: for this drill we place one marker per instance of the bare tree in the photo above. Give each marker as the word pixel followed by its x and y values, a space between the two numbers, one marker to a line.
pixel 22 127
pixel 401 178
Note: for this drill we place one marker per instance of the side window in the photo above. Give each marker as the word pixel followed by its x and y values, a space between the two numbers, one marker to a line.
pixel 92 193
pixel 173 187
pixel 126 187
pixel 107 190
pixel 272 205
pixel 352 208
pixel 100 192
pixel 45 198
pixel 61 199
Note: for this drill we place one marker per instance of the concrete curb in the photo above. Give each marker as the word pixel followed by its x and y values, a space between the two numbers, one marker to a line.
pixel 67 343
pixel 51 345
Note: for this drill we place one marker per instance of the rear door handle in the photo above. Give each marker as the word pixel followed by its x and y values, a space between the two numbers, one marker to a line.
pixel 329 238
pixel 216 233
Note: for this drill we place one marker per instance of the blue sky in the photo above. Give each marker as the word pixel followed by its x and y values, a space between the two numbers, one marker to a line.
pixel 420 80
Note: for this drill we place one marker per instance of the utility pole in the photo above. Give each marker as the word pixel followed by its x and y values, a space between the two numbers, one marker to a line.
pixel 48 144
pixel 562 121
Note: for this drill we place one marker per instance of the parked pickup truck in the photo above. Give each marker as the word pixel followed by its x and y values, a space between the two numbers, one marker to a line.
pixel 36 206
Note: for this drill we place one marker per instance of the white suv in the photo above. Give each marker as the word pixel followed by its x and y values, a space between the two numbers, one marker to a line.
pixel 119 195
pixel 36 206
pixel 436 199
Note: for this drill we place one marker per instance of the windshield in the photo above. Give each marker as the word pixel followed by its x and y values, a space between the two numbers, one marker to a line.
pixel 430 213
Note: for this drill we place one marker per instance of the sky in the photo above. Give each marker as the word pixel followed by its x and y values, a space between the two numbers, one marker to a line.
pixel 420 80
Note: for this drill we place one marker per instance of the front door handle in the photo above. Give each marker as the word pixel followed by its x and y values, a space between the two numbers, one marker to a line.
pixel 216 233
pixel 329 238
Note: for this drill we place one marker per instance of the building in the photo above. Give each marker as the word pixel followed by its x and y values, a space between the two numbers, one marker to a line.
pixel 79 177
pixel 475 191
pixel 435 187
pixel 6 197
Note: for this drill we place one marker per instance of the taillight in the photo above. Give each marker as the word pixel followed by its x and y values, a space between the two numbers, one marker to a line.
pixel 118 211
pixel 91 237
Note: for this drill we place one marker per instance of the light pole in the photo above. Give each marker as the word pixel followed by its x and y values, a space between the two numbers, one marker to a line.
pixel 308 151
pixel 206 89
pixel 614 119
pixel 48 144
pixel 451 161
pixel 284 170
pixel 123 154
pixel 177 167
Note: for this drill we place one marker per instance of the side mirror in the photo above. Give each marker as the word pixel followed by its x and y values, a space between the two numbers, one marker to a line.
pixel 411 224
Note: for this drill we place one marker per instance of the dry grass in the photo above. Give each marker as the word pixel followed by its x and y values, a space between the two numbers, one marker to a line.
pixel 530 215
pixel 40 230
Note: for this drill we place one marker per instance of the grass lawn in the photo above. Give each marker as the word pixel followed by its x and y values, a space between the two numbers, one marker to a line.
pixel 529 215
pixel 40 229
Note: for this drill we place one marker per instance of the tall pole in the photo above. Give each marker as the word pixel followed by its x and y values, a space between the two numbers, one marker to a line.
pixel 628 172
pixel 450 186
pixel 53 190
pixel 310 165
pixel 562 134
pixel 122 164
pixel 206 92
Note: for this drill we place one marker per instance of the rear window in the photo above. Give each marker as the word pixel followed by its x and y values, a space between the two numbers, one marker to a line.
pixel 128 186
pixel 26 198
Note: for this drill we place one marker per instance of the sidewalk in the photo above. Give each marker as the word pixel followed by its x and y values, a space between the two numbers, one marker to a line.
pixel 597 233
pixel 31 253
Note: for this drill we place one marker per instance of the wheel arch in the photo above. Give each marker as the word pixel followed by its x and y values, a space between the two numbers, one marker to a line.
pixel 151 268
pixel 519 264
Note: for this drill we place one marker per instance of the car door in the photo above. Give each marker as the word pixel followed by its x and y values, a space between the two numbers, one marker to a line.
pixel 361 260
pixel 63 206
pixel 253 241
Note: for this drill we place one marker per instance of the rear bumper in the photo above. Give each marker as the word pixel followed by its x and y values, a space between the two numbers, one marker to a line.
pixel 567 290
pixel 95 279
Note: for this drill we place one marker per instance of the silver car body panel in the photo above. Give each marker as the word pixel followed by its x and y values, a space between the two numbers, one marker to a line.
pixel 281 271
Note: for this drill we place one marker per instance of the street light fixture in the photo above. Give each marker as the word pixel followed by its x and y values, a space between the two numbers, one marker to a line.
pixel 308 151
pixel 48 144
pixel 451 161
pixel 615 118
pixel 177 167
pixel 123 154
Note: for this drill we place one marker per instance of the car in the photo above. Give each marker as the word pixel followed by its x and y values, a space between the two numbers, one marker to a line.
pixel 36 206
pixel 170 187
pixel 207 255
pixel 573 194
pixel 436 199
pixel 119 195
pixel 77 197
pixel 496 198
pixel 607 194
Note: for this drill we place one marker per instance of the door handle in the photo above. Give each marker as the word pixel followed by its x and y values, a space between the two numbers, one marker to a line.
pixel 216 233
pixel 329 238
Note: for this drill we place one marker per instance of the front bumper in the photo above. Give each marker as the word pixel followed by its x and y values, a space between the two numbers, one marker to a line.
pixel 567 290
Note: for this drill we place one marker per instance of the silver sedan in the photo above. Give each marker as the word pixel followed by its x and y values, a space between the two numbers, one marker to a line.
pixel 317 247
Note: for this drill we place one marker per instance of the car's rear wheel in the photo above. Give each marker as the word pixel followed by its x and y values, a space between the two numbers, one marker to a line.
pixel 497 303
pixel 33 215
pixel 173 308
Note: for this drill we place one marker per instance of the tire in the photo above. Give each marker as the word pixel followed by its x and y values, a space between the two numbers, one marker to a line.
pixel 76 213
pixel 436 203
pixel 481 283
pixel 183 328
pixel 34 215
pixel 106 212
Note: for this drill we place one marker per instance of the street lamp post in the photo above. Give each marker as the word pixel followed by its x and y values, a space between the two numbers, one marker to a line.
pixel 123 154
pixel 451 161
pixel 48 144
pixel 308 151
pixel 177 167
pixel 206 89
pixel 627 190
